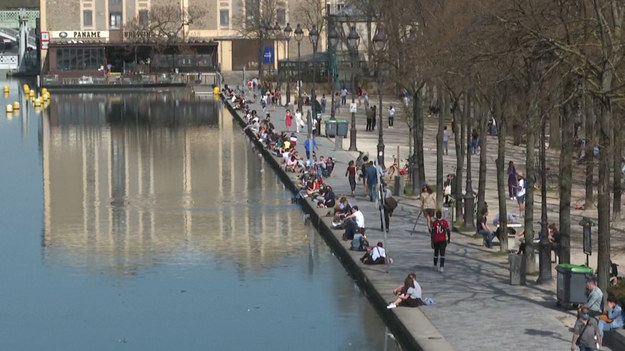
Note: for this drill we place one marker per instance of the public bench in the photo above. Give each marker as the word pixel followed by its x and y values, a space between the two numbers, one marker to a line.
pixel 511 237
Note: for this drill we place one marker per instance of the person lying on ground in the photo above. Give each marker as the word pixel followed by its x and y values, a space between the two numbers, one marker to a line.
pixel 409 294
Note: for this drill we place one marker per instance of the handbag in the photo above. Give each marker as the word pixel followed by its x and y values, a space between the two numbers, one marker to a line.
pixel 390 202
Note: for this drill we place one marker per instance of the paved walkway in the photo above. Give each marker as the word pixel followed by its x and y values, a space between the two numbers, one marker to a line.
pixel 476 308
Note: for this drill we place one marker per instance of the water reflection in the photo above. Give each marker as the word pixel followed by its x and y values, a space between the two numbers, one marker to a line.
pixel 127 181
pixel 163 235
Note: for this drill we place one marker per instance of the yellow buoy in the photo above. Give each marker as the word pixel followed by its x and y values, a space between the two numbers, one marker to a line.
pixel 6 89
pixel 9 108
pixel 44 90
pixel 216 90
pixel 16 105
pixel 37 102
pixel 45 97
pixel 32 93
pixel 9 115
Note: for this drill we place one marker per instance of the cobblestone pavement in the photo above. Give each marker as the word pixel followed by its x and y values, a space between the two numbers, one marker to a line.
pixel 476 307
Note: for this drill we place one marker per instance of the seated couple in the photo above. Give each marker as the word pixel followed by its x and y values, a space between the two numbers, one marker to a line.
pixel 353 223
pixel 374 255
pixel 409 294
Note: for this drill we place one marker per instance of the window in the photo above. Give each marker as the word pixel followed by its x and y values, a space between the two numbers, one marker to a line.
pixel 224 18
pixel 281 16
pixel 143 17
pixel 87 18
pixel 115 20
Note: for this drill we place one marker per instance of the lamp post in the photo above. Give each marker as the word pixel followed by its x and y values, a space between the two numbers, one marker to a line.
pixel 379 43
pixel 353 39
pixel 314 40
pixel 299 35
pixel 288 31
pixel 333 39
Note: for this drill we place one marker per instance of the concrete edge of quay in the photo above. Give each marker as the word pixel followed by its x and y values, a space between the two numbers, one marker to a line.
pixel 410 326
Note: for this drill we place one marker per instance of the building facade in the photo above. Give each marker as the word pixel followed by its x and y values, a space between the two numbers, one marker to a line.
pixel 93 36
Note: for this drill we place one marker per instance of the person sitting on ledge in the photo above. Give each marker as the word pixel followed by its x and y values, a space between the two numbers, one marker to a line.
pixel 353 223
pixel 409 294
pixel 375 255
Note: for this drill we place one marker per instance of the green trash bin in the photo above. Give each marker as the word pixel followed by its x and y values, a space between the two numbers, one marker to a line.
pixel 341 127
pixel 331 128
pixel 571 283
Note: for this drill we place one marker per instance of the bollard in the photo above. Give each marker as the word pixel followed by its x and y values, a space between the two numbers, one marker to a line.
pixel 16 105
pixel 9 108
pixel 338 143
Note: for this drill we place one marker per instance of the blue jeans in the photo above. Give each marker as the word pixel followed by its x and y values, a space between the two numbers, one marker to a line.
pixel 488 236
pixel 373 194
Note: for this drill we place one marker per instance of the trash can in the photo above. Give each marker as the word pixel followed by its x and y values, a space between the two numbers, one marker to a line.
pixel 571 284
pixel 517 269
pixel 331 128
pixel 341 127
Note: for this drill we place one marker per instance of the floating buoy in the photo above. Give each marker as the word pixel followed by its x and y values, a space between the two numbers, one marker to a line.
pixel 9 108
pixel 16 105
pixel 9 115
pixel 32 93
pixel 216 90
pixel 44 91
pixel 45 96
pixel 6 89
pixel 37 102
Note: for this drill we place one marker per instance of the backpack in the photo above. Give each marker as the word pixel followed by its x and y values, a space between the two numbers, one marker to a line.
pixel 439 232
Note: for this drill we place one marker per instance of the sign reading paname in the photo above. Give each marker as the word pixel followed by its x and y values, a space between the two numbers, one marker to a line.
pixel 80 35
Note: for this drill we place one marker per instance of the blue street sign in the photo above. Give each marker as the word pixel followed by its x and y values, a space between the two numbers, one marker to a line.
pixel 268 55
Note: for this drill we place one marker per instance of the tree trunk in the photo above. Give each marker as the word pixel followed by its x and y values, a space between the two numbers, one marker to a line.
pixel 502 179
pixel 439 151
pixel 458 131
pixel 416 120
pixel 530 180
pixel 469 198
pixel 617 142
pixel 544 272
pixel 603 194
pixel 566 179
pixel 589 132
pixel 481 185
pixel 419 141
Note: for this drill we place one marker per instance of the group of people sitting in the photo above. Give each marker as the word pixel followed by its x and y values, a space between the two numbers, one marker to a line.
pixel 593 321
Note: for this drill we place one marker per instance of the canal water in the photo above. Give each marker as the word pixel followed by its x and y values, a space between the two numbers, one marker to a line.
pixel 147 222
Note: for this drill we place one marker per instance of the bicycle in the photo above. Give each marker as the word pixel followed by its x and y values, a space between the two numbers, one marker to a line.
pixel 552 179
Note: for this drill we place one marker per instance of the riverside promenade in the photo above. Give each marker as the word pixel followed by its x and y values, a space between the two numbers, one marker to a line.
pixel 475 306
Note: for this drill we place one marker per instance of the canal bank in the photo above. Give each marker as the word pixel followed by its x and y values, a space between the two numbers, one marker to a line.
pixel 409 326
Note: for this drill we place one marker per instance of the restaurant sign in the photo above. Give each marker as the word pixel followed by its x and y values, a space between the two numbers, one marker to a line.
pixel 80 35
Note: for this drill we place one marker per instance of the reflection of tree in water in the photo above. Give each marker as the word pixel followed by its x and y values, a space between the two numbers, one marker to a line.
pixel 163 110
pixel 157 109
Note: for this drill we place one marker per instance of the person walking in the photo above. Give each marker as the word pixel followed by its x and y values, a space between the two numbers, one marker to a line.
pixel 372 180
pixel 363 174
pixel 512 180
pixel 299 122
pixel 374 114
pixel 288 120
pixel 350 173
pixel 388 204
pixel 586 334
pixel 441 236
pixel 324 102
pixel 428 204
pixel 369 113
pixel 391 116
pixel 520 194
pixel 344 93
pixel 446 135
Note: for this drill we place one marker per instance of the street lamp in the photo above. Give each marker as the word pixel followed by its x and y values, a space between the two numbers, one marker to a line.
pixel 353 39
pixel 314 40
pixel 333 39
pixel 299 35
pixel 288 31
pixel 379 43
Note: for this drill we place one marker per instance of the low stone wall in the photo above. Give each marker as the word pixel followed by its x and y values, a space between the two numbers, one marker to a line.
pixel 347 258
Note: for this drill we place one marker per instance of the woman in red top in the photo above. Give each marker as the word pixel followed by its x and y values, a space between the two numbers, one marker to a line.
pixel 288 119
pixel 351 175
